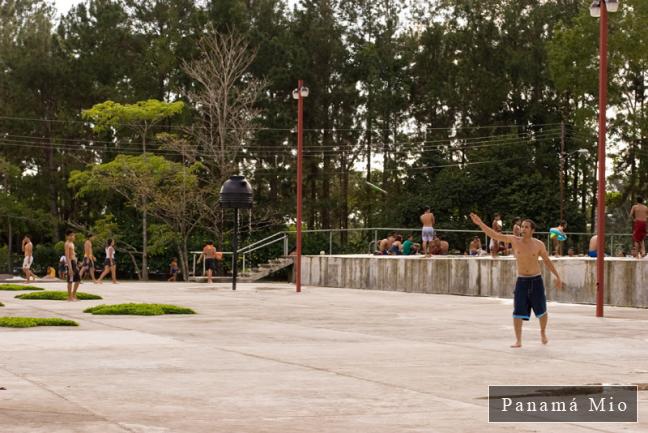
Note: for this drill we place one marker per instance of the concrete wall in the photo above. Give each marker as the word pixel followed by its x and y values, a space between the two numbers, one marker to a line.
pixel 626 279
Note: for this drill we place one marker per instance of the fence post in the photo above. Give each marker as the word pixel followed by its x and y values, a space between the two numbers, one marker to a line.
pixel 243 262
pixel 285 239
pixel 331 243
pixel 612 246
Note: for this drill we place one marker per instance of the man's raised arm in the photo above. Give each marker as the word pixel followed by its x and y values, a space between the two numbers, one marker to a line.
pixel 489 231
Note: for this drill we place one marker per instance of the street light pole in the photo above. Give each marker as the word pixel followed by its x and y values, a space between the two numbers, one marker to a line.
pixel 300 93
pixel 600 220
pixel 600 8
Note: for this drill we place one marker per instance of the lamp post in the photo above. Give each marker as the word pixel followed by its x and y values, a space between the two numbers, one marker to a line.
pixel 600 8
pixel 299 94
pixel 563 157
pixel 236 193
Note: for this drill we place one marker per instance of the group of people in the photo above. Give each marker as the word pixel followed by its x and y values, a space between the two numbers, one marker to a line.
pixel 69 268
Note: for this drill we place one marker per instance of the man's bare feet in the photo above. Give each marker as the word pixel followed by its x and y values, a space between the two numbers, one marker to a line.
pixel 544 339
pixel 517 345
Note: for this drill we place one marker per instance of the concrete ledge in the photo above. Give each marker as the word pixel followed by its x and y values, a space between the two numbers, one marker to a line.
pixel 626 280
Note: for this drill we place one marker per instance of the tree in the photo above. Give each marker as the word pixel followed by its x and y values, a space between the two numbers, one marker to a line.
pixel 140 117
pixel 224 98
pixel 169 190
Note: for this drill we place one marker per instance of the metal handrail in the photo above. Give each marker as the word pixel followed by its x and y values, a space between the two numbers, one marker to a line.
pixel 247 247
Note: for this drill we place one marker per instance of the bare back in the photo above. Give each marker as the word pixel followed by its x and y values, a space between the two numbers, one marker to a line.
pixel 29 247
pixel 87 248
pixel 427 219
pixel 527 251
pixel 639 212
pixel 209 251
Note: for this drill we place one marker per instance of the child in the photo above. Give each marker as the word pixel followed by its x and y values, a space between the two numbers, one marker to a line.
pixel 173 270
pixel 62 268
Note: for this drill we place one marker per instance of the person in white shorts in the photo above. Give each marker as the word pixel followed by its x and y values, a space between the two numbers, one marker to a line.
pixel 28 261
pixel 427 220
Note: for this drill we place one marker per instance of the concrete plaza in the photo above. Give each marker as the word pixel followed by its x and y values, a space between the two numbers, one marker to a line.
pixel 265 359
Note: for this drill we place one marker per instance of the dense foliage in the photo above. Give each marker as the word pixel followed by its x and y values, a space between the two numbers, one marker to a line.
pixel 124 117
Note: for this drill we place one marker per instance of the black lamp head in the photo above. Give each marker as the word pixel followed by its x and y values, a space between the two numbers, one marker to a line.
pixel 236 193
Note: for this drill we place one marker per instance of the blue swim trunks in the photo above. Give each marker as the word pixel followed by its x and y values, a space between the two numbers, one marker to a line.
pixel 592 253
pixel 529 295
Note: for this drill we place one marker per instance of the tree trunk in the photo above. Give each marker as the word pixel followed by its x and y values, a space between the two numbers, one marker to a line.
pixel 144 274
pixel 9 246
pixel 325 202
pixel 51 184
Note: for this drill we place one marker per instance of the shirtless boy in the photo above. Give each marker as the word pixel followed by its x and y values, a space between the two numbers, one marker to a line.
pixel 28 261
pixel 639 214
pixel 529 288
pixel 73 277
pixel 88 259
pixel 209 255
pixel 427 220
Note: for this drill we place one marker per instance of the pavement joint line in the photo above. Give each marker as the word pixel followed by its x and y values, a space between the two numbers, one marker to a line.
pixel 51 391
pixel 508 352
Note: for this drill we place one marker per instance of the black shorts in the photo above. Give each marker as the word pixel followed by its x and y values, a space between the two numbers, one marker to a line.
pixel 210 264
pixel 529 295
pixel 88 263
pixel 109 262
pixel 74 277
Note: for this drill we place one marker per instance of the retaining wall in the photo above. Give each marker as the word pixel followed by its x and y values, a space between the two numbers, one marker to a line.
pixel 626 280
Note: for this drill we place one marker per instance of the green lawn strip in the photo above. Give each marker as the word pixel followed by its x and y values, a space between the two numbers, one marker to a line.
pixel 139 309
pixel 16 287
pixel 1 304
pixel 57 296
pixel 30 322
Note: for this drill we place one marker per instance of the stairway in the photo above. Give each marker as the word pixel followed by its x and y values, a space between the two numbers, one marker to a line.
pixel 266 269
pixel 253 274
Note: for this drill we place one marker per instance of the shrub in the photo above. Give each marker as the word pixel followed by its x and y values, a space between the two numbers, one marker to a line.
pixel 139 309
pixel 57 296
pixel 30 322
pixel 16 287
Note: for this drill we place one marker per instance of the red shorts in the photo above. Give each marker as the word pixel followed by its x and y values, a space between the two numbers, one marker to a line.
pixel 638 231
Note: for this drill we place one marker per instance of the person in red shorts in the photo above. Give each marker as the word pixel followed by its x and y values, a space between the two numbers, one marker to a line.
pixel 639 214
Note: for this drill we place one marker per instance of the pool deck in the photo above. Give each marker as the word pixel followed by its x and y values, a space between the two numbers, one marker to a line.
pixel 265 359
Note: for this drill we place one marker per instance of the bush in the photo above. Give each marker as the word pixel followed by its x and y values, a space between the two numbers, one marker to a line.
pixel 57 296
pixel 16 287
pixel 139 309
pixel 30 322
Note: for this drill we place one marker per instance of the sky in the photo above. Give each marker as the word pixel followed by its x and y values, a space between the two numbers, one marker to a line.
pixel 62 6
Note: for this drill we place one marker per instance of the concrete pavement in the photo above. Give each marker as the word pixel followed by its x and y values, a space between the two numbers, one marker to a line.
pixel 264 359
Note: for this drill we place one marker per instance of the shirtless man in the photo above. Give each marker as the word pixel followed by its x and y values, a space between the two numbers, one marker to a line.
pixel 209 255
pixel 529 288
pixel 28 249
pixel 639 214
pixel 385 244
pixel 73 277
pixel 88 258
pixel 427 220
pixel 593 246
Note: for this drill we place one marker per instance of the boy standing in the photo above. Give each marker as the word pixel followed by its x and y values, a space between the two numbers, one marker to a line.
pixel 73 277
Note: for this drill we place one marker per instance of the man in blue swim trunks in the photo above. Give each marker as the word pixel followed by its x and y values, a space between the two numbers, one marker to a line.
pixel 529 288
pixel 427 219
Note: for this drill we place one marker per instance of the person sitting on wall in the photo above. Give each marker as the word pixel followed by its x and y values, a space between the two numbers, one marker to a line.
pixel 439 246
pixel 409 247
pixel 475 247
pixel 385 245
pixel 396 246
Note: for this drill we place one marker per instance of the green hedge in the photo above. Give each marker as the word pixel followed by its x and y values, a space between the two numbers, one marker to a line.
pixel 57 296
pixel 30 322
pixel 139 309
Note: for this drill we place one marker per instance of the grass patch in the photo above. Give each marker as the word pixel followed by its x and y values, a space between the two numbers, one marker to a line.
pixel 57 296
pixel 30 322
pixel 139 309
pixel 1 304
pixel 16 287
